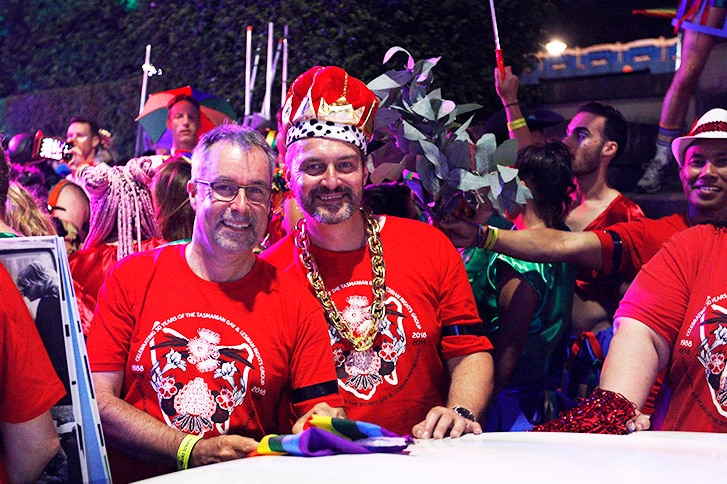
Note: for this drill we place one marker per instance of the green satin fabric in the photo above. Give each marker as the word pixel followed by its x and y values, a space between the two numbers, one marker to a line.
pixel 553 283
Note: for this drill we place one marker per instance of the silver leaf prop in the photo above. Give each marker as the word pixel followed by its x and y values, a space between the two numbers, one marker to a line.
pixel 449 166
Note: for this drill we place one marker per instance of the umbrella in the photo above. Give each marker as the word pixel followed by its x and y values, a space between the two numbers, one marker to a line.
pixel 214 111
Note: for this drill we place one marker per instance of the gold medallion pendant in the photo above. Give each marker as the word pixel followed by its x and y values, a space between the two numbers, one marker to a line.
pixel 364 341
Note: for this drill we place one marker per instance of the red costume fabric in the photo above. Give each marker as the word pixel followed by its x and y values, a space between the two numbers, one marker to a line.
pixel 591 285
pixel 681 294
pixel 209 358
pixel 641 239
pixel 29 385
pixel 431 317
pixel 88 269
pixel 621 209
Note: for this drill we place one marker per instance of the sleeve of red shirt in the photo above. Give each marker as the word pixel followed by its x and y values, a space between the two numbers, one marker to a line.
pixel 29 385
pixel 112 325
pixel 606 250
pixel 631 235
pixel 659 295
pixel 457 306
pixel 312 371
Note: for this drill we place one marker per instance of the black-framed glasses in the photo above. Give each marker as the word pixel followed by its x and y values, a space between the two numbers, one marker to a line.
pixel 224 191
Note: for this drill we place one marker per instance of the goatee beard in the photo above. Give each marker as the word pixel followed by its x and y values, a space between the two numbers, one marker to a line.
pixel 237 242
pixel 342 210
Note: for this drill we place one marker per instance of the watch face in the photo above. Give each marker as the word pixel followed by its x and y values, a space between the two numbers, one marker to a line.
pixel 463 412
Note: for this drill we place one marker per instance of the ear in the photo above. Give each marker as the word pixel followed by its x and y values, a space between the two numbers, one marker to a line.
pixel 609 149
pixel 280 146
pixel 365 162
pixel 95 141
pixel 192 191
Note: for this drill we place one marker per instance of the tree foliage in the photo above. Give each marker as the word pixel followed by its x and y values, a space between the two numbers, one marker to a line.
pixel 64 44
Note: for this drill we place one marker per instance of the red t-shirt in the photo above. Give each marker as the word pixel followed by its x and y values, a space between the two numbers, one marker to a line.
pixel 641 239
pixel 682 295
pixel 592 285
pixel 428 301
pixel 210 358
pixel 88 268
pixel 29 385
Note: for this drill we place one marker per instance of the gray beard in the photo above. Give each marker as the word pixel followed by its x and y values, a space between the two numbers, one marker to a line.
pixel 243 243
pixel 234 242
pixel 344 210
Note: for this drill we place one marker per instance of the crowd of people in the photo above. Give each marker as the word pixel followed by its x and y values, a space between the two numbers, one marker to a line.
pixel 202 339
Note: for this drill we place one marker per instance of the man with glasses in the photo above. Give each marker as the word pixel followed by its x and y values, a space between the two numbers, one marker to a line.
pixel 195 347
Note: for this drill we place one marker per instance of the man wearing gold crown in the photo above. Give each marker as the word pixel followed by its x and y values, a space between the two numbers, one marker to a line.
pixel 404 327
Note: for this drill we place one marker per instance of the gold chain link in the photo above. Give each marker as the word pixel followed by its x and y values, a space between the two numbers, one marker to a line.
pixel 378 268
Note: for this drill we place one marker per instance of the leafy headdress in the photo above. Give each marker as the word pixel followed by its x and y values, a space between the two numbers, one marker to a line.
pixel 438 158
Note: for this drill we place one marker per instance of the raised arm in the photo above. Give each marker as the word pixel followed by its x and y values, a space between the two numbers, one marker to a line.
pixel 143 437
pixel 507 90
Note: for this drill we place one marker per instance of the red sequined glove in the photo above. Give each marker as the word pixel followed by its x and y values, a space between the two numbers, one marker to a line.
pixel 603 412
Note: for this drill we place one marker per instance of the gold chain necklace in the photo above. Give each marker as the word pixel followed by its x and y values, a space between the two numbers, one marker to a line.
pixel 361 342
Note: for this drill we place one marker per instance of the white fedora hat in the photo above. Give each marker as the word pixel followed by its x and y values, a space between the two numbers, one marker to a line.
pixel 712 125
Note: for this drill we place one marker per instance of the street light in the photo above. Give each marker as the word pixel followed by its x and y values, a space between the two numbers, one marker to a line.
pixel 555 47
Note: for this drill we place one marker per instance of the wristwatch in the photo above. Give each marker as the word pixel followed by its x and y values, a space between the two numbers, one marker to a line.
pixel 463 412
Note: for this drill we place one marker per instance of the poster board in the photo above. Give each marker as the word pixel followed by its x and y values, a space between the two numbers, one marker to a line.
pixel 55 312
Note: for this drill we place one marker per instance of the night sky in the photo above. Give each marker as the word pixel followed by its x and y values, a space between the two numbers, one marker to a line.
pixel 583 23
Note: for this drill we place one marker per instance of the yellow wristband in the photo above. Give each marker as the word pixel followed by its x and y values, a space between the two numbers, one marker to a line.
pixel 185 450
pixel 492 234
pixel 517 124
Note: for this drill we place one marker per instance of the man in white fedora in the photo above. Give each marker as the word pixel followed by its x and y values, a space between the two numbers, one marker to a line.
pixel 674 315
pixel 625 247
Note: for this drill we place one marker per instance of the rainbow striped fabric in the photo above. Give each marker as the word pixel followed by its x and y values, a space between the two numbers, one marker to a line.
pixel 329 436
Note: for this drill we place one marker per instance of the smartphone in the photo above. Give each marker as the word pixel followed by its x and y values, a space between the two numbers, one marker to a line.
pixel 47 147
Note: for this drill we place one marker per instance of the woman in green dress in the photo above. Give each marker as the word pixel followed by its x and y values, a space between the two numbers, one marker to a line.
pixel 526 306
